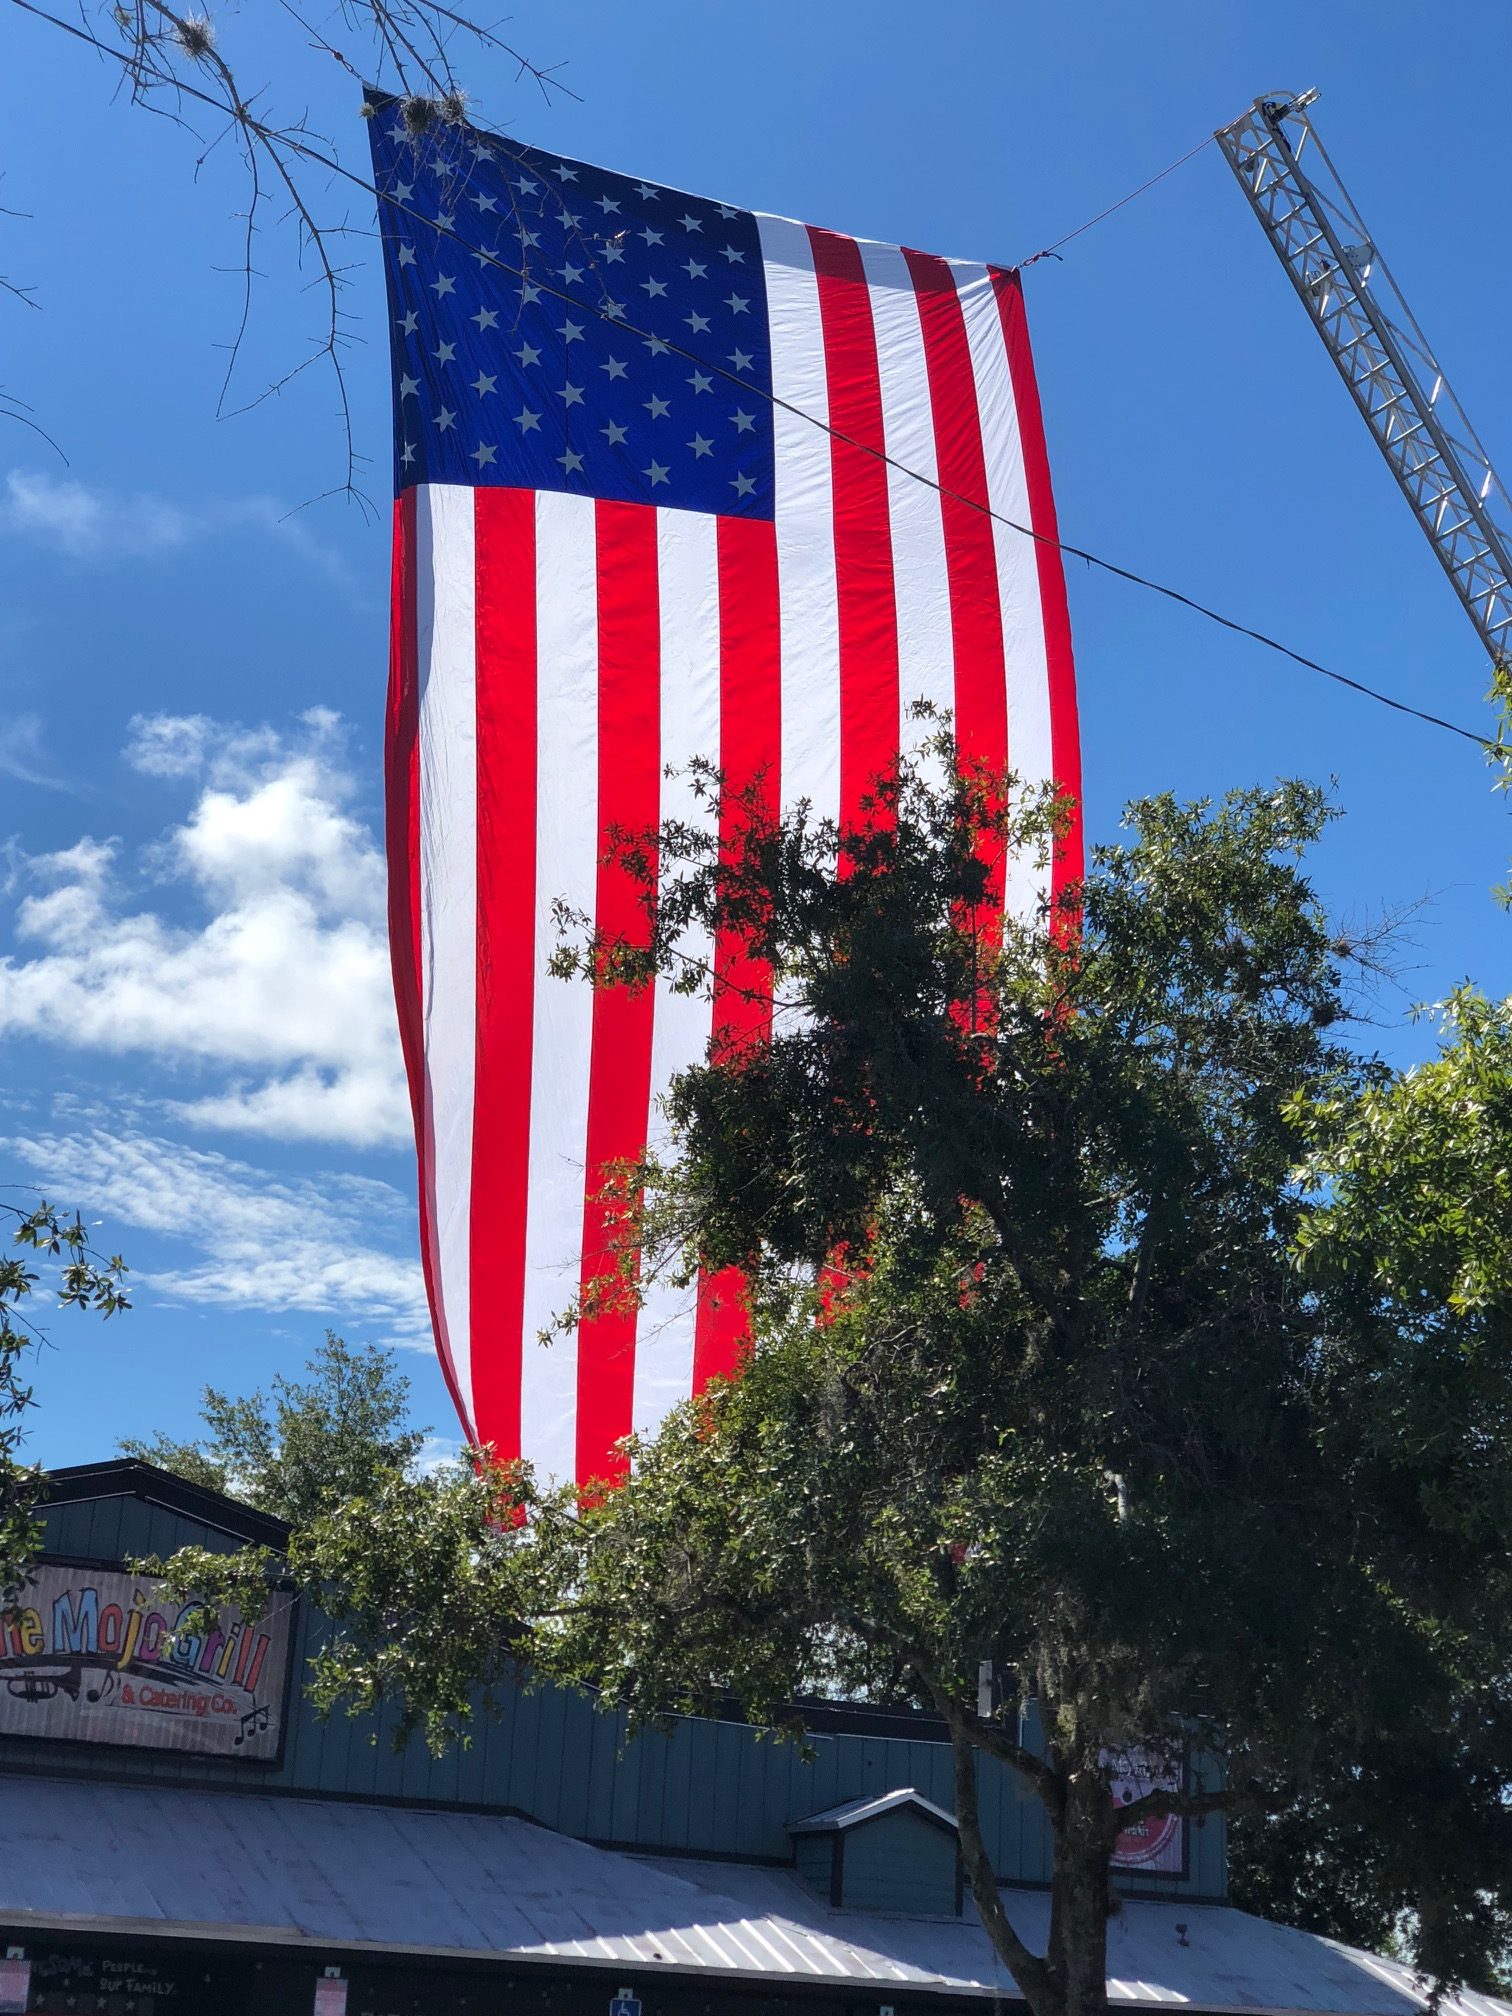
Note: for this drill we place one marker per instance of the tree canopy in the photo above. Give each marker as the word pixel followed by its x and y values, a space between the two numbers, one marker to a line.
pixel 329 1437
pixel 1096 1332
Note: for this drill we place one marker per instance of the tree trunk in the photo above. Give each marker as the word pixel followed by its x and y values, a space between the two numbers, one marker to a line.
pixel 1081 1897
pixel 1070 1978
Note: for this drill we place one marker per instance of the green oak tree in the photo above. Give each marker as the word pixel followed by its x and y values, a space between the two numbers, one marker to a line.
pixel 1410 1257
pixel 326 1437
pixel 1070 1351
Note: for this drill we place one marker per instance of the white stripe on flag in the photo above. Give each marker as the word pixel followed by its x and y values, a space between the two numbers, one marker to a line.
pixel 687 566
pixel 805 512
pixel 447 661
pixel 566 858
pixel 1024 656
pixel 926 665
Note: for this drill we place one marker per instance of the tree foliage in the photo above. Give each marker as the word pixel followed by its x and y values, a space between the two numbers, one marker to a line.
pixel 1315 1865
pixel 1410 1254
pixel 82 1279
pixel 326 1439
pixel 1096 1332
pixel 1500 755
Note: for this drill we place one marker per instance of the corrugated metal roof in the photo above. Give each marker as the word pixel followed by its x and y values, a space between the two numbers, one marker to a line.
pixel 851 1812
pixel 269 1868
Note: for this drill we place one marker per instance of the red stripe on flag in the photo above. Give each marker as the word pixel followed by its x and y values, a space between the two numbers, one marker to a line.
pixel 866 598
pixel 976 615
pixel 505 563
pixel 750 743
pixel 619 1072
pixel 750 756
pixel 1065 734
pixel 401 768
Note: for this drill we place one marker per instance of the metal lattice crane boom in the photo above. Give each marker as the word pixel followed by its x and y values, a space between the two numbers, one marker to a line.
pixel 1383 356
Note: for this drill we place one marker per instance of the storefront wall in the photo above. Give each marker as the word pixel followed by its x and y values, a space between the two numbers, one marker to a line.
pixel 85 1975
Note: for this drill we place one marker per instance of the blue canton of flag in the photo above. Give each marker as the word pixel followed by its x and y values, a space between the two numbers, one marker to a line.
pixel 560 328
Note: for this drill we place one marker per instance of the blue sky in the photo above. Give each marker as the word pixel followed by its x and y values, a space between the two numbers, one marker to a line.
pixel 195 1030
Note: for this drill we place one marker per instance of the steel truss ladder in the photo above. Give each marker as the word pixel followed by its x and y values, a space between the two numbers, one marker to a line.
pixel 1383 356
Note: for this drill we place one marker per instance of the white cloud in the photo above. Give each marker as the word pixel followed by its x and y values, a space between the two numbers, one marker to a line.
pixel 438 1452
pixel 304 1106
pixel 279 983
pixel 91 522
pixel 224 752
pixel 258 1243
pixel 170 745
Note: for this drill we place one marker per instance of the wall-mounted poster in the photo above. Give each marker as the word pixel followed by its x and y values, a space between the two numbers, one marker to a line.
pixel 93 1655
pixel 1156 1846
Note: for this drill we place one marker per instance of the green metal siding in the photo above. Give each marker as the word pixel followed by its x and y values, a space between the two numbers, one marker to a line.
pixel 899 1862
pixel 702 1788
pixel 814 1861
pixel 121 1528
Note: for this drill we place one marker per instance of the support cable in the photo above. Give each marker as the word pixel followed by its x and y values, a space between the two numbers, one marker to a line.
pixel 1052 251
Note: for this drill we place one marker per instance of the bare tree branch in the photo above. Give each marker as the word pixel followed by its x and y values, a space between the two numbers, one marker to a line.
pixel 170 63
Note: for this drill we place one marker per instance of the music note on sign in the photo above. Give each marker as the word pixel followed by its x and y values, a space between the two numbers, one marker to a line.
pixel 253 1723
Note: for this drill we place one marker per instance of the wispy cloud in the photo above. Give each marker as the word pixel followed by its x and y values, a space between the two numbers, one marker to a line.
pixel 92 522
pixel 253 1242
pixel 24 759
pixel 279 981
pixel 76 519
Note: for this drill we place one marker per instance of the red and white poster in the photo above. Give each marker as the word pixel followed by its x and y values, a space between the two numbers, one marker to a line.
pixel 1154 1845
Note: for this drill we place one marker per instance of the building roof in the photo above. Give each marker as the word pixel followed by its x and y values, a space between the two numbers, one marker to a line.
pixel 130 1477
pixel 349 1878
pixel 852 1812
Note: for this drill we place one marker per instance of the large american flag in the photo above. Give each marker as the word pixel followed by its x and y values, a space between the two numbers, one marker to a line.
pixel 674 479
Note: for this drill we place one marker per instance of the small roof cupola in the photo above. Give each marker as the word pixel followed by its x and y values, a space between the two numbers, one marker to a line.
pixel 889 1851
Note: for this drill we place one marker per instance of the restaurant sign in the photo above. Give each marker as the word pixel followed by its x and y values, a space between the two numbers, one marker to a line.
pixel 93 1655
